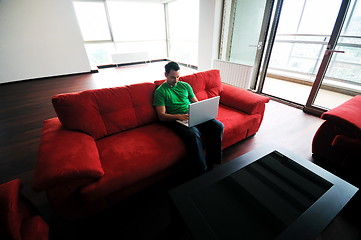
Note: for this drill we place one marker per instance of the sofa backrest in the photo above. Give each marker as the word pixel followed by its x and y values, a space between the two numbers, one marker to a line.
pixel 205 84
pixel 106 111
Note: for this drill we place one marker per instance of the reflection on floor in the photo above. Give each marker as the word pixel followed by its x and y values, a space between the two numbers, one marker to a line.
pixel 298 93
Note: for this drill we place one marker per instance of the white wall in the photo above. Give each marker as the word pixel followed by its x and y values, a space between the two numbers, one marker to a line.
pixel 210 22
pixel 39 38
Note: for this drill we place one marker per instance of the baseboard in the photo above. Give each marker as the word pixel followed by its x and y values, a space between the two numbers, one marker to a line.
pixel 141 62
pixel 49 77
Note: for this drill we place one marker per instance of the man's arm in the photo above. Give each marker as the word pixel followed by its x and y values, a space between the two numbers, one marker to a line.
pixel 163 116
pixel 194 99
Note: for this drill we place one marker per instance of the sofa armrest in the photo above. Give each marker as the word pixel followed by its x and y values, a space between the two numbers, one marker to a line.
pixel 10 217
pixel 346 115
pixel 65 155
pixel 241 99
pixel 35 228
pixel 347 145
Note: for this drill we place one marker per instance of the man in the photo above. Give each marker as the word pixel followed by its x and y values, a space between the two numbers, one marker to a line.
pixel 171 100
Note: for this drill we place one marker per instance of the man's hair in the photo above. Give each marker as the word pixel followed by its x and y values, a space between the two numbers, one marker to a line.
pixel 171 66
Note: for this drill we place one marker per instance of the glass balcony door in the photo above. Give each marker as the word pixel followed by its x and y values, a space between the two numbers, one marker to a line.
pixel 303 31
pixel 248 27
pixel 340 70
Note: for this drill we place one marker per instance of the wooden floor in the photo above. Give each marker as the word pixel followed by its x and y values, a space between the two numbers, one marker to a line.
pixel 24 105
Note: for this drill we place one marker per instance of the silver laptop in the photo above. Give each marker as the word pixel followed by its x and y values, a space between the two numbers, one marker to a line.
pixel 202 111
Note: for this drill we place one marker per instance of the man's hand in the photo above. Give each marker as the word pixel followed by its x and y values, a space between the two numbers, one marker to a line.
pixel 163 116
pixel 183 117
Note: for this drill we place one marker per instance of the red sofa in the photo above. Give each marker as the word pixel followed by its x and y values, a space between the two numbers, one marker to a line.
pixel 107 144
pixel 338 140
pixel 19 218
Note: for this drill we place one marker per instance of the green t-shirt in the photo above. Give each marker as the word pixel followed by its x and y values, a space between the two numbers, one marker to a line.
pixel 175 99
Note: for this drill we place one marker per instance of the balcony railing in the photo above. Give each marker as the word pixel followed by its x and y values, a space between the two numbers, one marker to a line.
pixel 297 57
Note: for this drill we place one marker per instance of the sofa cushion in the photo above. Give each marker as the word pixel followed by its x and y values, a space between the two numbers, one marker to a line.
pixel 233 130
pixel 132 156
pixel 205 84
pixel 102 112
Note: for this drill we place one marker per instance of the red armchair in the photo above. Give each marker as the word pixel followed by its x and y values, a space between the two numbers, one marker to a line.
pixel 338 140
pixel 18 217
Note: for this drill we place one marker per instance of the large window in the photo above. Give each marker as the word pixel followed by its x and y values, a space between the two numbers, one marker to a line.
pixel 121 27
pixel 117 27
pixel 138 27
pixel 92 19
pixel 315 60
pixel 301 41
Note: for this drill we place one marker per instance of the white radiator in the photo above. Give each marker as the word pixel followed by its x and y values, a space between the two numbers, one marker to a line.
pixel 235 74
pixel 120 58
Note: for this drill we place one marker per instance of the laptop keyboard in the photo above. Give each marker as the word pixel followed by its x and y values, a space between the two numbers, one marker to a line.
pixel 183 121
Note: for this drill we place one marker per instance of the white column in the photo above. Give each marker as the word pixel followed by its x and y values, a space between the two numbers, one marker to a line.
pixel 210 22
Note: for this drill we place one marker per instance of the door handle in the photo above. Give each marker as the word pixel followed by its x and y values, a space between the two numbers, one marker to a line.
pixel 327 52
pixel 258 46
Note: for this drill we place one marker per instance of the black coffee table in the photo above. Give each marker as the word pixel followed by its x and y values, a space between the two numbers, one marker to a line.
pixel 269 193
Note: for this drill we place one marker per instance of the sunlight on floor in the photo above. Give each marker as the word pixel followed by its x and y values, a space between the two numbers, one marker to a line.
pixel 298 93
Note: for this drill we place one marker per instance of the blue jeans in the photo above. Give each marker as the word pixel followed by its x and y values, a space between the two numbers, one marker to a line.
pixel 211 133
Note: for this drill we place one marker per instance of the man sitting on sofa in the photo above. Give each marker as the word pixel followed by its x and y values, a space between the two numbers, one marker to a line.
pixel 171 100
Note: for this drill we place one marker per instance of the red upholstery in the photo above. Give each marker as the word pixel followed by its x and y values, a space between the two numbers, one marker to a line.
pixel 233 131
pixel 338 140
pixel 347 115
pixel 90 111
pixel 350 145
pixel 108 143
pixel 149 144
pixel 243 100
pixel 65 155
pixel 18 218
pixel 205 84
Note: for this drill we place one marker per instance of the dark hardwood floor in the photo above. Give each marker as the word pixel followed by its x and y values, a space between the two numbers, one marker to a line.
pixel 24 105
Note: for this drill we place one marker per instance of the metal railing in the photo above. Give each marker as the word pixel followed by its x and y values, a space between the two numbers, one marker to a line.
pixel 301 54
